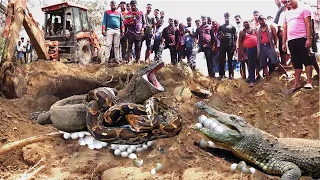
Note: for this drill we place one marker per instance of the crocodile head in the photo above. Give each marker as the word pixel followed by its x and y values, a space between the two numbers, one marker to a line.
pixel 143 84
pixel 232 128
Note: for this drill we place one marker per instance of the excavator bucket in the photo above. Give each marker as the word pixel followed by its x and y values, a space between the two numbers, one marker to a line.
pixel 12 84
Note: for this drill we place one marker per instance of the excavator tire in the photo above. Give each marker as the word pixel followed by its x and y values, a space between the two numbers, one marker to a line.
pixel 83 52
pixel 69 114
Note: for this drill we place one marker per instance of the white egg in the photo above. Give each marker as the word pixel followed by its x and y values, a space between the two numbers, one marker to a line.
pixel 132 156
pixel 245 170
pixel 86 133
pixel 218 129
pixel 211 144
pixel 203 143
pixel 74 135
pixel 241 164
pixel 201 118
pixel 97 144
pixel 129 151
pixel 233 167
pixel 88 140
pixel 150 143
pixel 133 148
pixel 144 147
pixel 117 152
pixel 81 142
pixel 66 135
pixel 138 163
pixel 91 146
pixel 114 146
pixel 252 170
pixel 213 125
pixel 139 150
pixel 153 171
pixel 199 125
pixel 207 123
pixel 81 134
pixel 104 144
pixel 122 148
pixel 159 167
pixel 124 154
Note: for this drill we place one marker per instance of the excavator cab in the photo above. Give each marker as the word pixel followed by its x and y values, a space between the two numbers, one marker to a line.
pixel 68 24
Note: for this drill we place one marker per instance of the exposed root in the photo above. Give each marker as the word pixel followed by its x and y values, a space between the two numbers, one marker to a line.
pixel 21 143
pixel 107 82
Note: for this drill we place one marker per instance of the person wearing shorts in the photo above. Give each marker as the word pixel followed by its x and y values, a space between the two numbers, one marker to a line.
pixel 297 30
pixel 267 47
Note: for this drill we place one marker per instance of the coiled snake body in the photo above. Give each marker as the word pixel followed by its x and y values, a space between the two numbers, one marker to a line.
pixel 129 123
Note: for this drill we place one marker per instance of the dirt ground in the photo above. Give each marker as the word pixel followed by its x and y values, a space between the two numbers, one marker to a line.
pixel 266 106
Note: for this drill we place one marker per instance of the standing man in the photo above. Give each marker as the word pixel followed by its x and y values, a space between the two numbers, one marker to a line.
pixel 280 10
pixel 205 39
pixel 19 51
pixel 135 24
pixel 227 34
pixel 149 31
pixel 215 52
pixel 256 24
pixel 29 51
pixel 157 41
pixel 124 40
pixel 209 21
pixel 24 49
pixel 190 43
pixel 248 43
pixel 113 29
pixel 297 30
pixel 267 47
pixel 156 15
pixel 170 37
pixel 198 23
pixel 240 53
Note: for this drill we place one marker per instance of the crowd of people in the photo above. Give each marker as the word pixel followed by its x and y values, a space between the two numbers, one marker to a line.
pixel 24 51
pixel 260 43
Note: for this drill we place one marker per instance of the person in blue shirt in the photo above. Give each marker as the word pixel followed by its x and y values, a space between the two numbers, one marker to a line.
pixel 189 38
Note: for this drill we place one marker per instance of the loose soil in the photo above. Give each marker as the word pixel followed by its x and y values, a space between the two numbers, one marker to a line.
pixel 266 106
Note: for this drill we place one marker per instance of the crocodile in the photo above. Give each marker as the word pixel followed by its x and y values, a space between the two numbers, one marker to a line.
pixel 289 158
pixel 69 114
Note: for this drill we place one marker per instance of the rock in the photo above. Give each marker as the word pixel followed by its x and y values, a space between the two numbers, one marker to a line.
pixel 182 93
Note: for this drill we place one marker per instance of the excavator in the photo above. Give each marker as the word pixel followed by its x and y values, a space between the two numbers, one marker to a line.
pixel 66 34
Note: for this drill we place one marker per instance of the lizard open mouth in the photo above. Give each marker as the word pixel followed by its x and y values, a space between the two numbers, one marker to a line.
pixel 150 76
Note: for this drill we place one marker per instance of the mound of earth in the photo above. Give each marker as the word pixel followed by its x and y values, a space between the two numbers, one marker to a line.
pixel 266 106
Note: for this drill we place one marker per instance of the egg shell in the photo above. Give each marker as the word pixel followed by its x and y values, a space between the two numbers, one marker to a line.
pixel 124 154
pixel 81 134
pixel 233 167
pixel 144 147
pixel 122 148
pixel 241 164
pixel 207 123
pixel 129 151
pixel 159 167
pixel 91 146
pixel 88 140
pixel 213 125
pixel 139 150
pixel 81 142
pixel 153 171
pixel 114 146
pixel 117 152
pixel 66 135
pixel 203 143
pixel 138 163
pixel 252 170
pixel 104 144
pixel 218 129
pixel 199 125
pixel 133 148
pixel 202 118
pixel 245 170
pixel 132 156
pixel 150 143
pixel 97 144
pixel 211 144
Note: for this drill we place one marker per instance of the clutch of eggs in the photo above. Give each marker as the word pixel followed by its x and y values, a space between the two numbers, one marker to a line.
pixel 209 123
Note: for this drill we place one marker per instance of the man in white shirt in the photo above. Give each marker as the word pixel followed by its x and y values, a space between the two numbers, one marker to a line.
pixel 24 49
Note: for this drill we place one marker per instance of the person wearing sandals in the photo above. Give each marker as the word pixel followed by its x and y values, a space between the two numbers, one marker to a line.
pixel 297 30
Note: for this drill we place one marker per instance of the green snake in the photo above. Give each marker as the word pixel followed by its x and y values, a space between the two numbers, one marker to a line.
pixel 129 123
